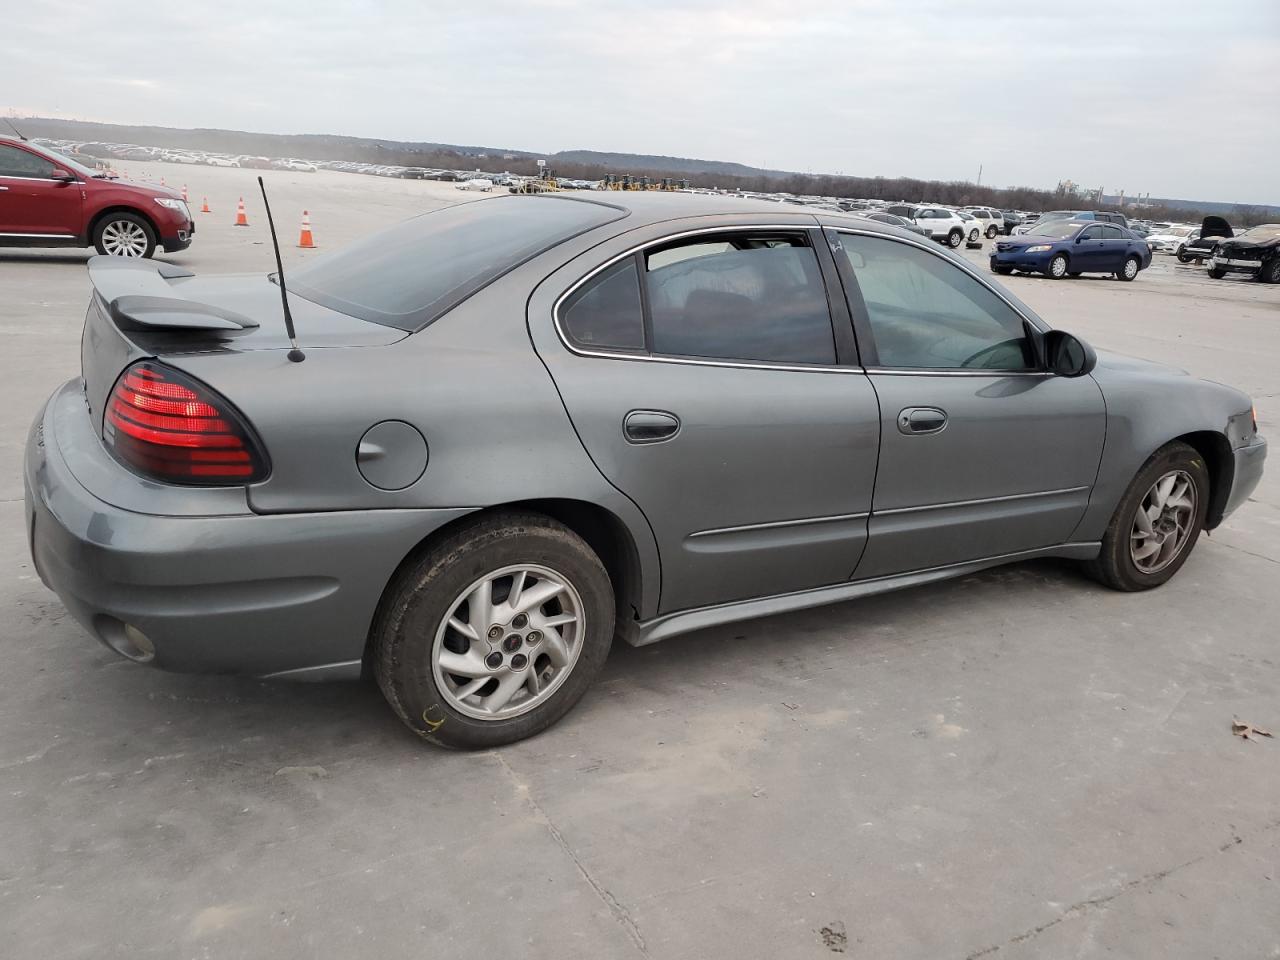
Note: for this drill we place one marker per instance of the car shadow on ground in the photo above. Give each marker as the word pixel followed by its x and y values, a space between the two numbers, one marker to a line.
pixel 248 716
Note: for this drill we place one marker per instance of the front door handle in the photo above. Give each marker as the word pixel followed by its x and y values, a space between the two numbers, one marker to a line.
pixel 922 420
pixel 650 426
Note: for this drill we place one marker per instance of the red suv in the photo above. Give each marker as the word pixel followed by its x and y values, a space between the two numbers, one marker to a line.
pixel 47 200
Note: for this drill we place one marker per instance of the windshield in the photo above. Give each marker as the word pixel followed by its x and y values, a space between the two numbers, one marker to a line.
pixel 1264 231
pixel 72 165
pixel 1055 229
pixel 415 272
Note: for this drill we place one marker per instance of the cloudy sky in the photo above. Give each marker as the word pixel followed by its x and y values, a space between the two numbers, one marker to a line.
pixel 1139 95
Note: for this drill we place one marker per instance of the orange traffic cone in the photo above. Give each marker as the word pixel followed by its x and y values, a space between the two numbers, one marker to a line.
pixel 204 205
pixel 304 238
pixel 184 194
pixel 241 219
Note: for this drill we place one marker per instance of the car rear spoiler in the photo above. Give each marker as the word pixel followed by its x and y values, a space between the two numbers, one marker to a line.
pixel 139 295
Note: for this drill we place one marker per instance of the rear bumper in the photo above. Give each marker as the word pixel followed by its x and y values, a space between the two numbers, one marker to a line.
pixel 233 593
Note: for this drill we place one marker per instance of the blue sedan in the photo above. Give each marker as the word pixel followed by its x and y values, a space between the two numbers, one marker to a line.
pixel 1068 248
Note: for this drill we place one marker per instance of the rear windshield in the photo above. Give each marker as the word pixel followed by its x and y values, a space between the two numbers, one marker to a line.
pixel 417 271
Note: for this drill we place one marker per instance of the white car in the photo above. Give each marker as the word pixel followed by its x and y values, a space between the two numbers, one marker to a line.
pixel 942 225
pixel 1170 239
pixel 991 221
pixel 178 158
pixel 476 183
pixel 221 162
pixel 299 165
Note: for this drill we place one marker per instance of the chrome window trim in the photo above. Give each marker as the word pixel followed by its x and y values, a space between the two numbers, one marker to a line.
pixel 574 348
pixel 775 524
pixel 949 372
pixel 9 176
pixel 978 502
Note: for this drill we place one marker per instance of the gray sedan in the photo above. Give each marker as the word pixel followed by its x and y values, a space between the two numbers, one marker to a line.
pixel 528 424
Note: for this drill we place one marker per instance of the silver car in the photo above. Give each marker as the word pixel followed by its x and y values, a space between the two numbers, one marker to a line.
pixel 528 424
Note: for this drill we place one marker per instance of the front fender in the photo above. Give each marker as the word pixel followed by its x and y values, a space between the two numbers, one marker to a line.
pixel 1148 406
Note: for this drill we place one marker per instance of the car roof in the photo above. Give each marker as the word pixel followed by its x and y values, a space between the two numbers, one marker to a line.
pixel 645 207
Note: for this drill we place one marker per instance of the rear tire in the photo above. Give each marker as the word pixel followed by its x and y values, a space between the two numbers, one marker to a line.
pixel 414 631
pixel 1115 566
pixel 1129 269
pixel 124 235
pixel 992 231
pixel 1217 273
pixel 973 235
pixel 955 238
pixel 1057 268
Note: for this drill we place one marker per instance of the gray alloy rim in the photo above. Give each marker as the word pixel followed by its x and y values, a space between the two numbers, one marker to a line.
pixel 1131 267
pixel 973 235
pixel 957 238
pixel 1162 525
pixel 508 642
pixel 1058 267
pixel 124 238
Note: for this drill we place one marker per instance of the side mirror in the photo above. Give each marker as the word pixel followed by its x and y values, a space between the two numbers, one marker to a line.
pixel 62 176
pixel 1068 356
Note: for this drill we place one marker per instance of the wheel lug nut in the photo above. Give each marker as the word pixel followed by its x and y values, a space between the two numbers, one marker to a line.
pixel 519 621
pixel 512 643
pixel 519 661
pixel 533 637
pixel 495 632
pixel 493 661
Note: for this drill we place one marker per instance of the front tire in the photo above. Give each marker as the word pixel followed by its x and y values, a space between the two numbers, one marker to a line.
pixel 1217 273
pixel 1157 523
pixel 1182 255
pixel 1057 268
pixel 1003 271
pixel 1270 272
pixel 1129 269
pixel 955 238
pixel 494 633
pixel 124 235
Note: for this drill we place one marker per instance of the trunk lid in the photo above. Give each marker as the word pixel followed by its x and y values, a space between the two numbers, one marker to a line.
pixel 145 308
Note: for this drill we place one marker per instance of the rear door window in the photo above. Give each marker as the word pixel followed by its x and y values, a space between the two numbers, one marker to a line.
pixel 754 297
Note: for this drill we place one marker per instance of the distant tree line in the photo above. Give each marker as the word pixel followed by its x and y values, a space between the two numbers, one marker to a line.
pixel 452 157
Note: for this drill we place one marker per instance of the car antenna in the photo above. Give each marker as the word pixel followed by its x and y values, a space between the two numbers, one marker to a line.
pixel 14 129
pixel 295 355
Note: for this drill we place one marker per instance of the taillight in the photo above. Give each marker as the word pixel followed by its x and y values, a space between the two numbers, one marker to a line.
pixel 168 426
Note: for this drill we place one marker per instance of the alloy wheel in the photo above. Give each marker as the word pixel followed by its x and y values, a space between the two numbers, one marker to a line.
pixel 1130 268
pixel 124 238
pixel 1163 523
pixel 1058 267
pixel 508 642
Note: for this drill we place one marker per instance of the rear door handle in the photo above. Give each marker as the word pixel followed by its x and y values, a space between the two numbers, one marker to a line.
pixel 922 420
pixel 650 426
